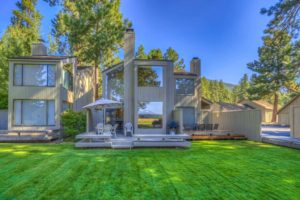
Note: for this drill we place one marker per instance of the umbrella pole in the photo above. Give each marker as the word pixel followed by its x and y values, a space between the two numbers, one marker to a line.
pixel 103 116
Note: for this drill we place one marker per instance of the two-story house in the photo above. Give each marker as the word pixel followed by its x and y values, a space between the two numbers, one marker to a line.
pixel 151 92
pixel 41 87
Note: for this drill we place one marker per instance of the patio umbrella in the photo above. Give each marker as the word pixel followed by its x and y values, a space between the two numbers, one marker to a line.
pixel 102 104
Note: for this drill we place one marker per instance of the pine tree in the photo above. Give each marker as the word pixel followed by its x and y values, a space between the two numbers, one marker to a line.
pixel 275 69
pixel 241 91
pixel 17 40
pixel 171 54
pixel 93 29
pixel 155 54
pixel 141 54
pixel 286 16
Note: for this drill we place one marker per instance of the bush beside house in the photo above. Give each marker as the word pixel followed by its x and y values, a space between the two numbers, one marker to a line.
pixel 73 122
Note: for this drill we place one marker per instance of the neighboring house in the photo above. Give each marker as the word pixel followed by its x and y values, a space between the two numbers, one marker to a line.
pixel 285 113
pixel 265 108
pixel 41 87
pixel 151 92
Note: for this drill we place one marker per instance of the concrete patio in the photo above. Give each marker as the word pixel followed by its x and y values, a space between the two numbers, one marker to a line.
pixel 279 135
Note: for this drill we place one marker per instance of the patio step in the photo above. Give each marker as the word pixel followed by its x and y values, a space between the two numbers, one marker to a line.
pixel 121 144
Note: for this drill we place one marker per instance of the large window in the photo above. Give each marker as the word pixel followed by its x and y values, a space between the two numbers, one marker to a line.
pixel 115 84
pixel 150 76
pixel 34 112
pixel 67 80
pixel 150 114
pixel 34 75
pixel 185 86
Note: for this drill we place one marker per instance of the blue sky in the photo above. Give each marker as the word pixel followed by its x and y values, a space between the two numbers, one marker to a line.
pixel 225 34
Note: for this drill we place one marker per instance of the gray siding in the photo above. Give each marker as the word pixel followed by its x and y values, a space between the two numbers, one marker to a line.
pixel 3 119
pixel 83 88
pixel 284 114
pixel 57 93
pixel 27 92
pixel 161 94
pixel 190 100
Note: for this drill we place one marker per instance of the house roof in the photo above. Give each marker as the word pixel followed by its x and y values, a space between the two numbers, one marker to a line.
pixel 83 67
pixel 289 103
pixel 41 57
pixel 185 74
pixel 206 100
pixel 260 103
pixel 264 104
pixel 113 66
pixel 138 59
pixel 231 106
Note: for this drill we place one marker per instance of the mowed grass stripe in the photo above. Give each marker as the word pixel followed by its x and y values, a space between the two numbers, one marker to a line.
pixel 207 170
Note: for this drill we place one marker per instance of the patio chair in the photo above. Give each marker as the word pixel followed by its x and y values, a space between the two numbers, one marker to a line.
pixel 114 130
pixel 99 128
pixel 208 127
pixel 202 127
pixel 216 126
pixel 107 130
pixel 128 128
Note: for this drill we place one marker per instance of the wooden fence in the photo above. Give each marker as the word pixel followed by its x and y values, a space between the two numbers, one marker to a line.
pixel 247 123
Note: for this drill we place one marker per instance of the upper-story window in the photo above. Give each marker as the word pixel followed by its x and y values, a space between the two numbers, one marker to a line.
pixel 115 84
pixel 34 75
pixel 185 86
pixel 67 80
pixel 150 76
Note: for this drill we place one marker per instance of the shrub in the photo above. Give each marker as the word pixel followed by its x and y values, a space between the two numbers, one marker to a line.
pixel 73 122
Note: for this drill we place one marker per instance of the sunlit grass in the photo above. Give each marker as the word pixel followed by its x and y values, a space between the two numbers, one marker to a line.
pixel 208 170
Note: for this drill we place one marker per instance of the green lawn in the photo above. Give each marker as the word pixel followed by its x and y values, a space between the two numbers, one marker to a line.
pixel 208 170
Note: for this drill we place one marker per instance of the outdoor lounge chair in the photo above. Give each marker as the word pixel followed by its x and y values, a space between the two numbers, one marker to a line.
pixel 99 128
pixel 128 128
pixel 107 130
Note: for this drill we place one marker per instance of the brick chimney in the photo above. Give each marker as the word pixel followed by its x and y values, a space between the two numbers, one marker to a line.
pixel 129 52
pixel 39 48
pixel 129 45
pixel 195 66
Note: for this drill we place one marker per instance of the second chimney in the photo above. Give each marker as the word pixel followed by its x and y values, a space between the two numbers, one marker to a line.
pixel 195 66
pixel 129 43
pixel 39 49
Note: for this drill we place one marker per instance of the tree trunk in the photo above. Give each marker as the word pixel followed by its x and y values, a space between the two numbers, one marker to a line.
pixel 96 81
pixel 275 108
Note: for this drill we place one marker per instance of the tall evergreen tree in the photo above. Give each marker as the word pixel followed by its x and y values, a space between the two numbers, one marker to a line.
pixel 241 90
pixel 171 54
pixel 286 16
pixel 17 40
pixel 155 54
pixel 94 30
pixel 275 69
pixel 216 91
pixel 141 54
